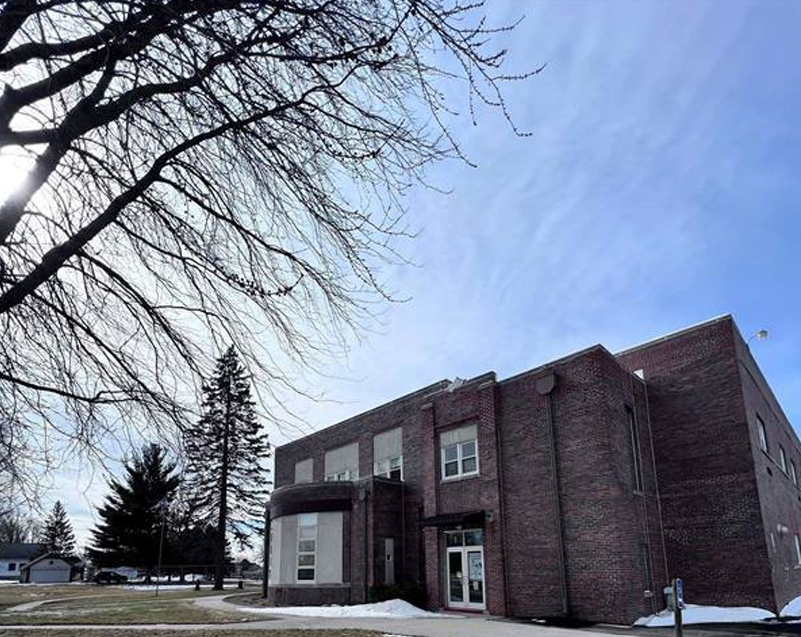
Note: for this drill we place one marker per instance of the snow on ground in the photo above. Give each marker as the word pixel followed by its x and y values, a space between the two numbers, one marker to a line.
pixel 694 614
pixel 392 609
pixel 793 609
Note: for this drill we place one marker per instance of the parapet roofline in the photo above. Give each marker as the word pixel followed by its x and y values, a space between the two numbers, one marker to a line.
pixel 440 384
pixel 678 332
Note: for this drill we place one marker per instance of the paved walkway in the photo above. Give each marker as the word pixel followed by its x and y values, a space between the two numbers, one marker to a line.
pixel 455 626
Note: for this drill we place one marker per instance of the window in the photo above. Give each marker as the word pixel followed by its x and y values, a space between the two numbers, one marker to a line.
pixel 307 547
pixel 793 474
pixel 460 459
pixel 342 463
pixel 782 459
pixel 635 450
pixel 763 436
pixel 388 454
pixel 797 550
pixel 12 566
pixel 391 468
pixel 347 474
pixel 304 471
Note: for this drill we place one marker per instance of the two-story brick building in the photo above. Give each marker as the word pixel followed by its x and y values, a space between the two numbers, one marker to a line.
pixel 578 489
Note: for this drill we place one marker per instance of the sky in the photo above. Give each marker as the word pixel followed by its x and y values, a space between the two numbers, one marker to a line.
pixel 661 187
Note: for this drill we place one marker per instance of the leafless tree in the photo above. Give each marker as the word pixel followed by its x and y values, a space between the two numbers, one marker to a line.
pixel 16 527
pixel 207 173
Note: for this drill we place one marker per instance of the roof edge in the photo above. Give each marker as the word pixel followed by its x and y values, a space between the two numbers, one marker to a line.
pixel 679 332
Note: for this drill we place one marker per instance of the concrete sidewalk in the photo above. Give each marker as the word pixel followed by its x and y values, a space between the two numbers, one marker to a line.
pixel 451 626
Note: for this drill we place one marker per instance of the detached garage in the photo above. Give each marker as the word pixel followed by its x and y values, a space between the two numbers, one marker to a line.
pixel 46 569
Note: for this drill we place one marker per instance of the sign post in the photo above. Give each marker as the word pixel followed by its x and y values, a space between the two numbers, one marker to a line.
pixel 678 605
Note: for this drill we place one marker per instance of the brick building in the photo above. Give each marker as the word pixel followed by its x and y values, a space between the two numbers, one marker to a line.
pixel 578 488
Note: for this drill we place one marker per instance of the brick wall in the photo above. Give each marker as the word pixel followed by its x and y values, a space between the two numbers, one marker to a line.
pixel 605 523
pixel 711 514
pixel 779 497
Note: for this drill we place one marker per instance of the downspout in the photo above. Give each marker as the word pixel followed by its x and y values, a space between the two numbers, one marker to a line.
pixel 545 386
pixel 656 476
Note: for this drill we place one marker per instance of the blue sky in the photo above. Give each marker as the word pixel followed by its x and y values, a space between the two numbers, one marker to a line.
pixel 661 187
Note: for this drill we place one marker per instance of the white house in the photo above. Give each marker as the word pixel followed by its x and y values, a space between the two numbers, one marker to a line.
pixel 14 556
pixel 49 568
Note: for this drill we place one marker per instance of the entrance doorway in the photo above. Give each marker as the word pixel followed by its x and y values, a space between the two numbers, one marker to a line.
pixel 464 569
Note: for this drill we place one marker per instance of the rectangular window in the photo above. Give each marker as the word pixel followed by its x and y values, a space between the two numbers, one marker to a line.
pixel 388 454
pixel 304 471
pixel 342 463
pixel 782 459
pixel 12 566
pixel 460 459
pixel 763 436
pixel 635 450
pixel 391 468
pixel 347 474
pixel 793 474
pixel 797 550
pixel 307 547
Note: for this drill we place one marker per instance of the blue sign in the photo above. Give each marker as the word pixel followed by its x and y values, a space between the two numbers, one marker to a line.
pixel 679 594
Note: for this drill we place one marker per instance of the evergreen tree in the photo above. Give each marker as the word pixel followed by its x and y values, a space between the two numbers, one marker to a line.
pixel 225 451
pixel 130 530
pixel 57 535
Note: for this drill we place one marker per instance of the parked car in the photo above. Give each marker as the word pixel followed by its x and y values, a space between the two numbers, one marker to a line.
pixel 109 577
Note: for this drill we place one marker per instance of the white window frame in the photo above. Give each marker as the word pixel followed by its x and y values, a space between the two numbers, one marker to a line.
pixel 782 459
pixel 298 565
pixel 793 473
pixel 384 468
pixel 342 476
pixel 797 541
pixel 460 458
pixel 763 435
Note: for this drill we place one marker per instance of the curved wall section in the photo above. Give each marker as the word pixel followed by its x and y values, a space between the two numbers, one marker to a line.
pixel 311 498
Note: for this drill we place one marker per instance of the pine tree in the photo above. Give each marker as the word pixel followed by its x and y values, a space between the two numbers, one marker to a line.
pixel 57 535
pixel 225 452
pixel 131 515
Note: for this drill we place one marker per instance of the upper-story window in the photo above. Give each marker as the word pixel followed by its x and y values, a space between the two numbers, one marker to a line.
pixel 304 471
pixel 782 459
pixel 763 436
pixel 388 454
pixel 307 547
pixel 634 439
pixel 459 452
pixel 342 463
pixel 793 474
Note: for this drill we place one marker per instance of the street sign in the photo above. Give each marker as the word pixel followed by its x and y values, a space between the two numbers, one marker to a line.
pixel 679 594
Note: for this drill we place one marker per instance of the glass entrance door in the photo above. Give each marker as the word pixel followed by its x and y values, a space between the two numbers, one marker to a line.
pixel 465 572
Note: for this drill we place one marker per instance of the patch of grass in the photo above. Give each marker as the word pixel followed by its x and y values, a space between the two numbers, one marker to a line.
pixel 69 632
pixel 124 597
pixel 15 594
pixel 151 611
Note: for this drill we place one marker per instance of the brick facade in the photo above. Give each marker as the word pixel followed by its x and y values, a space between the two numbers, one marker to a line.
pixel 568 528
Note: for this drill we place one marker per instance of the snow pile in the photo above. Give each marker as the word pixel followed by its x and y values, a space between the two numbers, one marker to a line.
pixel 391 609
pixel 793 609
pixel 694 614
